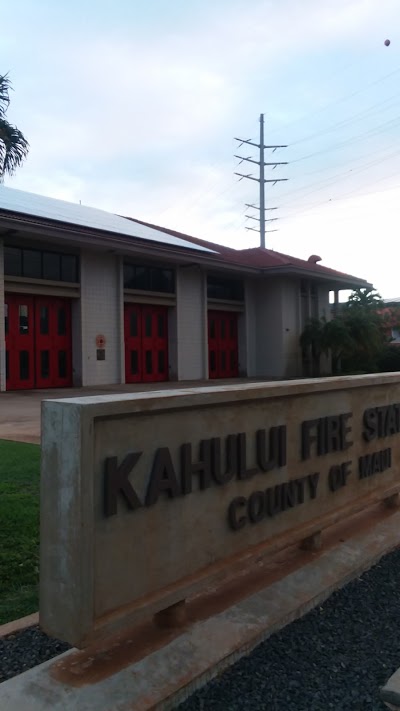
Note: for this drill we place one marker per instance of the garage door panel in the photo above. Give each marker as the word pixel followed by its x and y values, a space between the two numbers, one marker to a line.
pixel 19 342
pixel 38 342
pixel 223 360
pixel 133 337
pixel 146 343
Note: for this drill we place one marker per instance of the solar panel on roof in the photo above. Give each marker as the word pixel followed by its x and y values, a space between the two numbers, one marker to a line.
pixel 24 203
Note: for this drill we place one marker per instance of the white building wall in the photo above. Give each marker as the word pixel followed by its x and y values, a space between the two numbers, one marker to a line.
pixel 269 353
pixel 173 343
pixel 191 324
pixel 273 313
pixel 77 353
pixel 325 311
pixel 101 315
pixel 291 350
pixel 324 306
pixel 2 332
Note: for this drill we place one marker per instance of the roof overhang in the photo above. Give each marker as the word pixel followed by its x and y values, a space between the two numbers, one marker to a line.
pixel 87 238
pixel 345 281
pixel 99 240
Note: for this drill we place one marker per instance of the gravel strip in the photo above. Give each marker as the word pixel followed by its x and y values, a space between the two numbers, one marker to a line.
pixel 26 649
pixel 335 657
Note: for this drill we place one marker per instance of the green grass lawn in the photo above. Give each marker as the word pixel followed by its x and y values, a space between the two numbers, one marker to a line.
pixel 19 529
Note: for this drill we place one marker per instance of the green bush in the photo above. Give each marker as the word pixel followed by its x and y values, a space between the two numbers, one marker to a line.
pixel 389 360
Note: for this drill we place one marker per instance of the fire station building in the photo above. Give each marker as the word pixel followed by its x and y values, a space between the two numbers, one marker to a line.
pixel 90 298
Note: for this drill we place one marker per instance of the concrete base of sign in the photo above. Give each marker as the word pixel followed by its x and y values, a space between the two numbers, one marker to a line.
pixel 312 543
pixel 170 670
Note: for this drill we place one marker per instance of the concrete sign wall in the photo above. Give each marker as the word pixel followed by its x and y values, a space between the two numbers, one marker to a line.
pixel 145 496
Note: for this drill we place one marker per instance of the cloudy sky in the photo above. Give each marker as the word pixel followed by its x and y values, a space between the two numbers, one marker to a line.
pixel 133 107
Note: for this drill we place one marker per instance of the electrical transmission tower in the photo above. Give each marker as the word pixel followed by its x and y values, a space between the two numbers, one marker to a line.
pixel 261 180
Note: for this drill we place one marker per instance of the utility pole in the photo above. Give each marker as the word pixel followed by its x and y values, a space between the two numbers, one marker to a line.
pixel 261 180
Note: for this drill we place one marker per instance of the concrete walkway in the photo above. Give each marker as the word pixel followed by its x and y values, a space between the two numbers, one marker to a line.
pixel 20 410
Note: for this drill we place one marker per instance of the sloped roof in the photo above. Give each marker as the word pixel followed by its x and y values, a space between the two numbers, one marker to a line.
pixel 20 206
pixel 24 203
pixel 265 259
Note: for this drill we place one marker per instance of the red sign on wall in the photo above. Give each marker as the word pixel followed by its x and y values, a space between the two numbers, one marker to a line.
pixel 100 341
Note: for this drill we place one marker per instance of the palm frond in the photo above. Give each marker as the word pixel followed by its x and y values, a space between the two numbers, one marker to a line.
pixel 13 147
pixel 5 86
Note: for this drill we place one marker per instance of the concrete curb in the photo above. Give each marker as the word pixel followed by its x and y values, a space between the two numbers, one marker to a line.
pixel 170 674
pixel 17 625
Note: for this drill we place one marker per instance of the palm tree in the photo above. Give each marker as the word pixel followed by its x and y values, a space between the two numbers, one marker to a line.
pixel 337 341
pixel 13 145
pixel 367 298
pixel 312 344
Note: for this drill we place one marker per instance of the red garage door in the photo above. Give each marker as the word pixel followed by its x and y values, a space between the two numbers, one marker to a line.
pixel 222 344
pixel 146 343
pixel 38 342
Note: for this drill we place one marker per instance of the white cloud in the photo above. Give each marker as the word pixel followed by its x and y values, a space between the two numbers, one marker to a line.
pixel 352 238
pixel 131 121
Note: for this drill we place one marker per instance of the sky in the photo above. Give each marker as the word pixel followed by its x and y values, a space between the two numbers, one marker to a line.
pixel 133 107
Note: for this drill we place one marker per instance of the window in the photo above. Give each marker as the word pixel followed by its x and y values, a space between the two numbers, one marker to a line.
pixel 51 266
pixel 24 365
pixel 146 278
pixel 44 320
pixel 227 289
pixel 142 278
pixel 162 280
pixel 149 362
pixel 62 364
pixel 12 261
pixel 129 276
pixel 69 268
pixel 38 264
pixel 61 321
pixel 134 362
pixel 133 321
pixel 44 364
pixel 23 320
pixel 147 326
pixel 32 263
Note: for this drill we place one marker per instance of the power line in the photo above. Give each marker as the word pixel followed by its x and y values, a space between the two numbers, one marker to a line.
pixel 261 179
pixel 377 107
pixel 339 177
pixel 358 137
pixel 341 99
pixel 344 196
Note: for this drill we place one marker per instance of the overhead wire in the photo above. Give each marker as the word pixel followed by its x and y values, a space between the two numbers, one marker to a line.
pixel 339 100
pixel 344 196
pixel 374 109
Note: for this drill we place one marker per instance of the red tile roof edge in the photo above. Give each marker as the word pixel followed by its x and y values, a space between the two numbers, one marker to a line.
pixel 257 257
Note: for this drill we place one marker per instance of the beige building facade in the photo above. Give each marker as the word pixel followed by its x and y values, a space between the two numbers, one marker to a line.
pixel 89 298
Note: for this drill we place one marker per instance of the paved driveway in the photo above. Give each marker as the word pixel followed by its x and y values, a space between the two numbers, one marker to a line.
pixel 20 410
